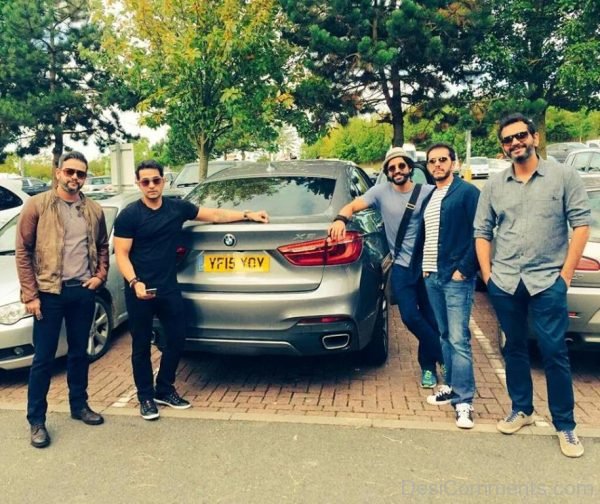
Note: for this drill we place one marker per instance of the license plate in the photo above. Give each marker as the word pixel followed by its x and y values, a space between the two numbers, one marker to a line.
pixel 239 262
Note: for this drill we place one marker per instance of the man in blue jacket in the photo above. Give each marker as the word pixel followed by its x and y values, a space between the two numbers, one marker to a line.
pixel 449 268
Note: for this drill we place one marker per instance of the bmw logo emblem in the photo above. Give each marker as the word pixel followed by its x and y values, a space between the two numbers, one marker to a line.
pixel 229 240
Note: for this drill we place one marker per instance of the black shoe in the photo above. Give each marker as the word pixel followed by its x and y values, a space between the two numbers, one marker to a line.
pixel 87 416
pixel 174 400
pixel 148 410
pixel 39 436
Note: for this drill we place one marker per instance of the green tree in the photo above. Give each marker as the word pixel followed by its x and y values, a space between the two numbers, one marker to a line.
pixel 367 55
pixel 204 67
pixel 539 54
pixel 48 89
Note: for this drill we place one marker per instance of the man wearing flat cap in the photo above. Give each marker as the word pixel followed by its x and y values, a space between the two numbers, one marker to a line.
pixel 401 203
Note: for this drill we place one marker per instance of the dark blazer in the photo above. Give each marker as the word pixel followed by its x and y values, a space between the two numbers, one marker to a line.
pixel 456 245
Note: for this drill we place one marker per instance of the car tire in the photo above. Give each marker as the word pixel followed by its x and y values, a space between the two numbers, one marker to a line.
pixel 101 330
pixel 377 350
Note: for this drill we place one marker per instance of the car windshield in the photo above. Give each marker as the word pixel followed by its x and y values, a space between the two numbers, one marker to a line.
pixel 279 196
pixel 479 161
pixel 8 235
pixel 189 175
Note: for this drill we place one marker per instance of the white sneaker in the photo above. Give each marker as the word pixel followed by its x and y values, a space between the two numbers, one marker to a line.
pixel 464 416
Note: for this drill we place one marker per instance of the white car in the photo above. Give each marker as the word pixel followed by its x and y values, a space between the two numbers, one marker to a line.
pixel 97 184
pixel 480 167
pixel 12 199
pixel 16 325
pixel 497 165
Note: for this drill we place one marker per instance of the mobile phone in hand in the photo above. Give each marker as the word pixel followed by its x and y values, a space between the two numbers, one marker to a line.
pixel 151 291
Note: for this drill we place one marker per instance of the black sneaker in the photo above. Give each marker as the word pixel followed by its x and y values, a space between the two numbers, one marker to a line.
pixel 174 400
pixel 442 396
pixel 148 410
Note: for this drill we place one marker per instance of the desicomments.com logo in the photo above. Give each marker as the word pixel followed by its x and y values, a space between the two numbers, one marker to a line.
pixel 460 488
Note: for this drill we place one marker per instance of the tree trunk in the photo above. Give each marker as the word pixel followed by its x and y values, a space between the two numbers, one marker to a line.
pixel 541 125
pixel 203 153
pixel 398 125
pixel 58 148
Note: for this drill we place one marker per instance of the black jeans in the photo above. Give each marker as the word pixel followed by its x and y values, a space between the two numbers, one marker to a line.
pixel 416 313
pixel 76 306
pixel 169 310
pixel 550 319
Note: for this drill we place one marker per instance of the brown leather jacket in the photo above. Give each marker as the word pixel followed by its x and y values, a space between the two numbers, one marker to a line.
pixel 40 242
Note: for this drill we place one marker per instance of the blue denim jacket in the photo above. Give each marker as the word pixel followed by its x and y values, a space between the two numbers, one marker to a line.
pixel 456 245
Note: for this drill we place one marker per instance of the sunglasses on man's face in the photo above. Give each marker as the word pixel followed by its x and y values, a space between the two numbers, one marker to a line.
pixel 441 160
pixel 399 166
pixel 145 182
pixel 521 135
pixel 69 172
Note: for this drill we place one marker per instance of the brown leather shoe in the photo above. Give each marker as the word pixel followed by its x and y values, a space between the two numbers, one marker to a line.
pixel 87 416
pixel 39 436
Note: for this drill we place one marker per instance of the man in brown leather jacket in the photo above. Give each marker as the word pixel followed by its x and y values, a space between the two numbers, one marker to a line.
pixel 62 258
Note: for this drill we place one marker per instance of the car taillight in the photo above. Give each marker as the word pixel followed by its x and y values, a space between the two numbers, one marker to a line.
pixel 180 253
pixel 321 253
pixel 588 264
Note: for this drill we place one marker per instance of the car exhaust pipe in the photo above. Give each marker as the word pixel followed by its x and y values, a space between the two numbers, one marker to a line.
pixel 336 341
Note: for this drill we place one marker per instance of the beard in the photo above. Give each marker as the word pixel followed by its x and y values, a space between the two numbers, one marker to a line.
pixel 70 188
pixel 400 182
pixel 443 176
pixel 529 151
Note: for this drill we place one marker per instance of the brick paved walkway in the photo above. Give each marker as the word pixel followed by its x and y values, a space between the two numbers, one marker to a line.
pixel 321 387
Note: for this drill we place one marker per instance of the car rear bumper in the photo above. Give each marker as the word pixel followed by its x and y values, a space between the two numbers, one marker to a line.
pixel 584 315
pixel 277 323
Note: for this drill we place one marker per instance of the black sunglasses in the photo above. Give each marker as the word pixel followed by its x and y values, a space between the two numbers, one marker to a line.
pixel 69 172
pixel 399 166
pixel 145 182
pixel 442 159
pixel 521 135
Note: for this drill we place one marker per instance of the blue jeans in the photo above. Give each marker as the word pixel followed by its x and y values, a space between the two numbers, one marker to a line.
pixel 417 315
pixel 452 302
pixel 76 306
pixel 169 310
pixel 549 320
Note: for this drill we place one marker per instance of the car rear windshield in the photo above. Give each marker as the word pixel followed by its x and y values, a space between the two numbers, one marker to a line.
pixel 279 196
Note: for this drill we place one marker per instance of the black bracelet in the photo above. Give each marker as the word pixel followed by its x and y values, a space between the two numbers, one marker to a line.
pixel 342 218
pixel 133 281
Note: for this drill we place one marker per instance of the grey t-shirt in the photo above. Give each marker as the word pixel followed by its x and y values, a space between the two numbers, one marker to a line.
pixel 391 204
pixel 76 265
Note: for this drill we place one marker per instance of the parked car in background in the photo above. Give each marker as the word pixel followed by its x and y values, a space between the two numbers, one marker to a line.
pixel 480 167
pixel 281 287
pixel 188 177
pixel 498 165
pixel 16 325
pixel 593 143
pixel 561 150
pixel 33 186
pixel 586 161
pixel 12 199
pixel 98 184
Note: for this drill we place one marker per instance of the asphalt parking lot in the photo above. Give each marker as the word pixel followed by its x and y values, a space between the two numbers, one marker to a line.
pixel 321 390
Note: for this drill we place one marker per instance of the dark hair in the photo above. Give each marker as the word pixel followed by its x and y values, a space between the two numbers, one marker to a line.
pixel 72 155
pixel 514 118
pixel 148 164
pixel 440 145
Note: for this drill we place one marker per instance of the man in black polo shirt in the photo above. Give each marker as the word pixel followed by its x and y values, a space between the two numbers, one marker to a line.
pixel 146 235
